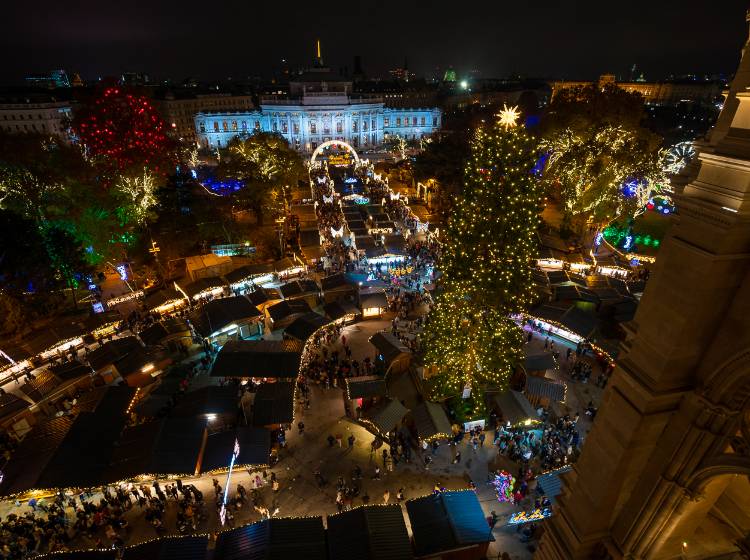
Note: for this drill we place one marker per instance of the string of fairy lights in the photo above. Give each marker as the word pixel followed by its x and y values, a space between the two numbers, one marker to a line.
pixel 490 243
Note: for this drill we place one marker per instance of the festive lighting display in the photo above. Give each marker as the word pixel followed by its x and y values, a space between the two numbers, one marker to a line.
pixel 139 195
pixel 503 484
pixel 610 173
pixel 509 116
pixel 122 130
pixel 490 242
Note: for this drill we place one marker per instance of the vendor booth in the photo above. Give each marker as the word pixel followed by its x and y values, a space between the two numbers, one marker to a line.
pixel 204 288
pixel 362 393
pixel 225 319
pixel 372 302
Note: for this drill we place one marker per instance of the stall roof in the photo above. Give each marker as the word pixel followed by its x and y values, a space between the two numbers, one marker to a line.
pixel 15 352
pixel 309 237
pixel 257 297
pixel 574 293
pixel 394 244
pixel 258 358
pixel 366 387
pixel 274 404
pixel 313 252
pixel 284 264
pixel 389 346
pixel 68 371
pixel 155 334
pixel 545 388
pixel 550 484
pixel 255 448
pixel 203 285
pixel 64 453
pixel 339 309
pixel 99 320
pixel 580 322
pixel 540 362
pixel 288 308
pixel 40 386
pixel 369 533
pixel 303 327
pixel 219 313
pixel 514 406
pixel 248 272
pixel 212 399
pixel 335 282
pixel 184 547
pixel 387 415
pixel 430 419
pixel 372 297
pixel 169 446
pixel 10 404
pixel 82 555
pixel 565 278
pixel 112 351
pixel 447 520
pixel 274 539
pixel 160 297
pixel 298 288
pixel 48 337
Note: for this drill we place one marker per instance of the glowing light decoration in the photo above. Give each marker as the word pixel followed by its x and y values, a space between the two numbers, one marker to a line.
pixel 678 156
pixel 509 116
pixel 522 517
pixel 139 194
pixel 503 483
pixel 235 455
pixel 122 270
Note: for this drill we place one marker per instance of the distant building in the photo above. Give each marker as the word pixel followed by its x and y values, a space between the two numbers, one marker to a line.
pixel 29 114
pixel 320 107
pixel 179 107
pixel 656 93
pixel 49 80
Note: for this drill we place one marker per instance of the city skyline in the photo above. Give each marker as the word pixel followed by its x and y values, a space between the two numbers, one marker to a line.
pixel 173 45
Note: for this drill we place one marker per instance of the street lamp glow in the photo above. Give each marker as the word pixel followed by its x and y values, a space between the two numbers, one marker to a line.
pixel 464 84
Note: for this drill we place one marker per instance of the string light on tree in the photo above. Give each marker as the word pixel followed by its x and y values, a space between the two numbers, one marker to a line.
pixel 490 242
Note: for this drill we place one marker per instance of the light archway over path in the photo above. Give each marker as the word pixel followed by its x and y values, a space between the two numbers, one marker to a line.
pixel 324 145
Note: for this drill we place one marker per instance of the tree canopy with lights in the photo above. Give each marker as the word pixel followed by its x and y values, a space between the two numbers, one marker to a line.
pixel 601 161
pixel 486 263
pixel 123 133
pixel 265 164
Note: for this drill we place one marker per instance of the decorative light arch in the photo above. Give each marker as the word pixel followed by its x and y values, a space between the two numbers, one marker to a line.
pixel 324 145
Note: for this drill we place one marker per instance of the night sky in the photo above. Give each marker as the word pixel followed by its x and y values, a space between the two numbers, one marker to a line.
pixel 214 40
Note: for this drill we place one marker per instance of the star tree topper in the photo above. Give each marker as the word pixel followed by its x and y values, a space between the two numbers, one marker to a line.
pixel 509 115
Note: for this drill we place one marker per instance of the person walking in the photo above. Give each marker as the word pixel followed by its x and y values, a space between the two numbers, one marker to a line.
pixel 386 497
pixel 400 495
pixel 457 458
pixel 350 441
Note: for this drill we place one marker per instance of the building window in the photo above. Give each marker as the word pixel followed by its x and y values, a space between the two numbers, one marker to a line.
pixel 234 126
pixel 295 128
pixel 364 126
pixel 244 125
pixel 275 126
pixel 372 124
pixel 355 126
pixel 313 129
pixel 225 126
pixel 398 121
pixel 202 126
pixel 314 145
pixel 339 127
pixel 386 122
pixel 414 121
pixel 434 121
pixel 422 121
pixel 257 125
pixel 284 127
pixel 216 126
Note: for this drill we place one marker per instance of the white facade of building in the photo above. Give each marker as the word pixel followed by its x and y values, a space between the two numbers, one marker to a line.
pixel 45 118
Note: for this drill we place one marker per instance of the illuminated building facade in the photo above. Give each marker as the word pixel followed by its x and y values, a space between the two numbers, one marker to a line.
pixel 657 93
pixel 320 107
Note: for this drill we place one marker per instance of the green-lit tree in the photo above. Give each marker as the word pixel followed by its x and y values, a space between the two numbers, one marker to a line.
pixel 486 264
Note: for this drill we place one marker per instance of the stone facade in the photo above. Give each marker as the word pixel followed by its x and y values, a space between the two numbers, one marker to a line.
pixel 665 470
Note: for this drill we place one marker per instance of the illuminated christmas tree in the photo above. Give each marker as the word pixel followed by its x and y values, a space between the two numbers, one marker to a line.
pixel 123 133
pixel 486 264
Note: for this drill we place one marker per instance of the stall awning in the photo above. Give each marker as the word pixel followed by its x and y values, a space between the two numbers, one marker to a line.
pixel 542 387
pixel 339 309
pixel 446 521
pixel 258 358
pixel 365 387
pixel 550 484
pixel 387 415
pixel 202 285
pixel 370 298
pixel 430 419
pixel 288 308
pixel 540 362
pixel 369 532
pixel 218 314
pixel 210 400
pixel 278 538
pixel 305 326
pixel 274 404
pixel 390 347
pixel 514 407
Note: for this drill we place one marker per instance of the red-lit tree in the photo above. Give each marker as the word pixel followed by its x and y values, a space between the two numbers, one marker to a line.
pixel 123 133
